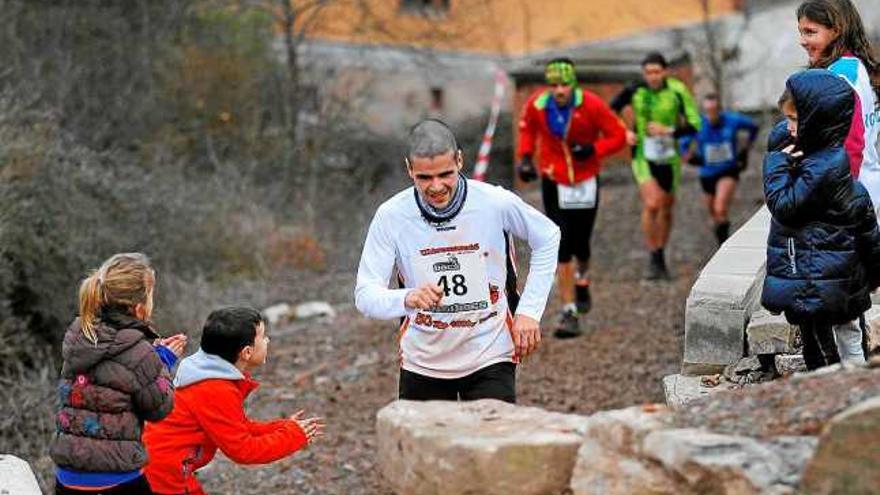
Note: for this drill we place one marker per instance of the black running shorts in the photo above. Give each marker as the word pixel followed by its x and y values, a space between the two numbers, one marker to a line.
pixel 576 225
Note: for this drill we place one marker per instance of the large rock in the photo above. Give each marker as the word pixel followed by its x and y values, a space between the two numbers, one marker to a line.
pixel 705 462
pixel 609 462
pixel 636 452
pixel 847 460
pixel 16 477
pixel 486 447
pixel 770 334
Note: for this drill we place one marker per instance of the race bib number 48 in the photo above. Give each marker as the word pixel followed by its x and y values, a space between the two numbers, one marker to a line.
pixel 462 277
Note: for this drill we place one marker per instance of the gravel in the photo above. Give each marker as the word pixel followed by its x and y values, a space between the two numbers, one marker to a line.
pixel 347 370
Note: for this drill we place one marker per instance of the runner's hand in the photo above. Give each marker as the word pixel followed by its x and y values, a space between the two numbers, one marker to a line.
pixel 424 297
pixel 526 335
pixel 583 151
pixel 175 343
pixel 631 138
pixel 312 427
pixel 526 170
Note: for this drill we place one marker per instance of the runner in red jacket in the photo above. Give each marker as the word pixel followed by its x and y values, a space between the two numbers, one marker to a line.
pixel 208 413
pixel 568 131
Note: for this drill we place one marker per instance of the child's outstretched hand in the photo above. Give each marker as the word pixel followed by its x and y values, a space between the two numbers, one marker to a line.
pixel 175 343
pixel 313 427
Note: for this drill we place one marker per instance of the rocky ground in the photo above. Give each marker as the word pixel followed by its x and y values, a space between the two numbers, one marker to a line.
pixel 797 405
pixel 346 370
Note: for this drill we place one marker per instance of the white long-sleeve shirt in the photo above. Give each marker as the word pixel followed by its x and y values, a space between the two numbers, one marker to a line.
pixel 468 258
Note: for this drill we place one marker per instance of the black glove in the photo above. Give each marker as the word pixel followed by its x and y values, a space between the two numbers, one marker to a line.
pixel 582 151
pixel 526 170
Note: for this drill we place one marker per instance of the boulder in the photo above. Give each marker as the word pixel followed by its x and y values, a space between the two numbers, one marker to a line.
pixel 706 462
pixel 609 463
pixel 487 447
pixel 787 364
pixel 752 369
pixel 278 313
pixel 314 309
pixel 16 477
pixel 770 334
pixel 848 455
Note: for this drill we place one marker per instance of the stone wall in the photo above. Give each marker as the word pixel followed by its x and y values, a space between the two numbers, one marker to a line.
pixel 723 299
pixel 489 447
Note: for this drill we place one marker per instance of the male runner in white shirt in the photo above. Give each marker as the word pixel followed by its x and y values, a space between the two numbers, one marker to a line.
pixel 449 238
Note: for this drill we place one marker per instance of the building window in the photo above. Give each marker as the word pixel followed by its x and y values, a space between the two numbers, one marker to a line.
pixel 425 7
pixel 437 99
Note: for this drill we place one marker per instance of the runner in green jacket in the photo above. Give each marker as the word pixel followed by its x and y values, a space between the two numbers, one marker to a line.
pixel 663 111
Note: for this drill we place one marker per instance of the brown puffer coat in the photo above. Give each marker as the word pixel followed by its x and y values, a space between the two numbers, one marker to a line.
pixel 107 390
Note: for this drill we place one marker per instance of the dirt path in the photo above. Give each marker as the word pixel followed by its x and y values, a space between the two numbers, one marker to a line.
pixel 346 371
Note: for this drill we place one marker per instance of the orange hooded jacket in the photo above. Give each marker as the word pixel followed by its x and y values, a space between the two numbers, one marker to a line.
pixel 209 414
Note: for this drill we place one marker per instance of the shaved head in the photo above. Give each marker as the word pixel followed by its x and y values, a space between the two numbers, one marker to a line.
pixel 430 138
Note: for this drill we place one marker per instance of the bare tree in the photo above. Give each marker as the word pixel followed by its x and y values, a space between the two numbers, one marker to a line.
pixel 720 50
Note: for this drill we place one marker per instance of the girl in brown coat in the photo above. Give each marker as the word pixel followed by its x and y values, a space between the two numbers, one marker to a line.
pixel 113 379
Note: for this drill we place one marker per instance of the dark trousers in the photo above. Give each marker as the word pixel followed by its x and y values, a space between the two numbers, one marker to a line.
pixel 497 381
pixel 819 346
pixel 576 226
pixel 137 486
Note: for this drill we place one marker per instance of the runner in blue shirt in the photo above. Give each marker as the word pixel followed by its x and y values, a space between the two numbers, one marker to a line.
pixel 716 150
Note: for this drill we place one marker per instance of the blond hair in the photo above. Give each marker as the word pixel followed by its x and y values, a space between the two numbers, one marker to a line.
pixel 125 279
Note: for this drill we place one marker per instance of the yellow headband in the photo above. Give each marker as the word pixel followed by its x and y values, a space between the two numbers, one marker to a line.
pixel 560 73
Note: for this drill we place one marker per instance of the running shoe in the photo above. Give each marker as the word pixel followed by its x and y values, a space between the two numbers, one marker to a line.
pixel 569 326
pixel 657 270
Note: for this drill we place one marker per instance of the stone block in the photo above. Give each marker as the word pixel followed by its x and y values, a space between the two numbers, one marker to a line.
pixel 724 291
pixel 748 238
pixel 745 261
pixel 770 334
pixel 848 455
pixel 680 389
pixel 787 364
pixel 713 339
pixel 16 477
pixel 487 447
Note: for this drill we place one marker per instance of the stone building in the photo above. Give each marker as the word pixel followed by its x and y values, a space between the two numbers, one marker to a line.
pixel 402 60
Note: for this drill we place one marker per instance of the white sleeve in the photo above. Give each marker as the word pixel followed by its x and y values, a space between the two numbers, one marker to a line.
pixel 529 224
pixel 372 297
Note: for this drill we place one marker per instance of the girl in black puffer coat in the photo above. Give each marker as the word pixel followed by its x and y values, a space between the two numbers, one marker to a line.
pixel 823 251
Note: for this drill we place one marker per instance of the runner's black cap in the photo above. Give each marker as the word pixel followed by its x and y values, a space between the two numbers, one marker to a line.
pixel 655 58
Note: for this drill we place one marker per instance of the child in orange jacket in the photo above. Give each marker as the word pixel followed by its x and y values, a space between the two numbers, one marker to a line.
pixel 211 386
